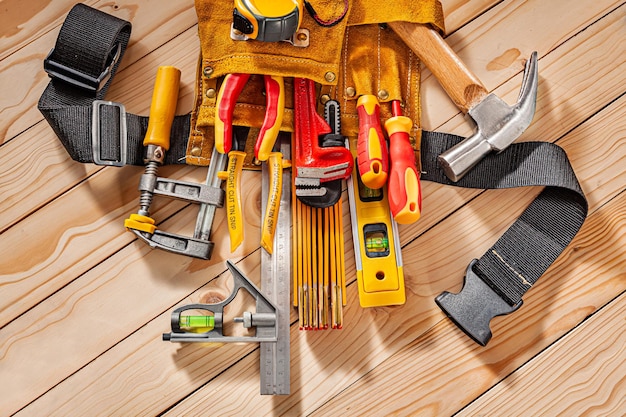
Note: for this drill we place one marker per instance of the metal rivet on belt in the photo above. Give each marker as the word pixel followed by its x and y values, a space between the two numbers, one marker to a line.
pixel 210 93
pixel 324 98
pixel 207 71
pixel 196 151
pixel 350 91
pixel 383 94
pixel 330 76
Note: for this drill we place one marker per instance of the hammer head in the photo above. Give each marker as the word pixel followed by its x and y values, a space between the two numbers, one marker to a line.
pixel 499 125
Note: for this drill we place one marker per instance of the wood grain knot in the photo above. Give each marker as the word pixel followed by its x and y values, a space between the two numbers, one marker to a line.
pixel 505 60
pixel 212 297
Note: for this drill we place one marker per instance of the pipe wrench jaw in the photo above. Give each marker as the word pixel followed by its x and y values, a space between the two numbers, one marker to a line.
pixel 319 169
pixel 320 186
pixel 320 196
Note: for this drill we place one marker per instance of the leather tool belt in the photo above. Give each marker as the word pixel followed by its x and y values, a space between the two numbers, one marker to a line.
pixel 92 43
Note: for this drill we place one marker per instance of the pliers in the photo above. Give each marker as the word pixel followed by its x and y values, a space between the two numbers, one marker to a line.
pixel 227 98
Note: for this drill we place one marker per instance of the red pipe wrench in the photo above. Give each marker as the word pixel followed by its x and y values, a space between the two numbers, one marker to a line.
pixel 227 98
pixel 315 165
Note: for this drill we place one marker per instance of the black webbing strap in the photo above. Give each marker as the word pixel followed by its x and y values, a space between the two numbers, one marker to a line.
pixel 495 283
pixel 85 58
pixel 82 64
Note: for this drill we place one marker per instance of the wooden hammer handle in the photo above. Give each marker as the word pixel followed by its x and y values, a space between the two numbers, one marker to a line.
pixel 463 87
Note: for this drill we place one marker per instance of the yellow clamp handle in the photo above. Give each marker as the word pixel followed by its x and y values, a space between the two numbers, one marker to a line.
pixel 163 107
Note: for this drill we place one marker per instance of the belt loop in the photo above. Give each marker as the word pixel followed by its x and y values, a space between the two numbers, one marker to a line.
pixel 98 133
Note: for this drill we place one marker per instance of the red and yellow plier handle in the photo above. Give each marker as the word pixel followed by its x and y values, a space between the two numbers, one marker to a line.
pixel 231 88
pixel 275 106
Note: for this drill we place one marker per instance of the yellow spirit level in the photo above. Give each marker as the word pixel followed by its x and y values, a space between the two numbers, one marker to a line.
pixel 380 276
pixel 267 20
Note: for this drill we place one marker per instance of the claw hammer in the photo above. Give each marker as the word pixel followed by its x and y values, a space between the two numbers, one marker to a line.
pixel 499 124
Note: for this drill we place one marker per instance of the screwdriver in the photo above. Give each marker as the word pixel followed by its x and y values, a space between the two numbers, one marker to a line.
pixel 405 196
pixel 372 154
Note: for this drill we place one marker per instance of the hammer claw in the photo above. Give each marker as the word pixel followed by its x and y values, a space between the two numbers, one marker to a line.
pixel 527 99
pixel 499 125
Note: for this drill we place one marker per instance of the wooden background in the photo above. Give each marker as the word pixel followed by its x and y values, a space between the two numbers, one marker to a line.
pixel 83 304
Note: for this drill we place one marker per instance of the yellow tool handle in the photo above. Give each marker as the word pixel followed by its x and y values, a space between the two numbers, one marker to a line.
pixel 163 107
pixel 270 220
pixel 232 175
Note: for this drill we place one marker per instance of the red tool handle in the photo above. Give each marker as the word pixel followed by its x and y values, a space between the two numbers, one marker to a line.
pixel 275 107
pixel 372 154
pixel 405 195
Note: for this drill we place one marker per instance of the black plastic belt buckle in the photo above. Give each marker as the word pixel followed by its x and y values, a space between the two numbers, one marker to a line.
pixel 474 306
pixel 79 79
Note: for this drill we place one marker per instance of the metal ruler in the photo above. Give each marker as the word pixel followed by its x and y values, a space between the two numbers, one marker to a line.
pixel 275 279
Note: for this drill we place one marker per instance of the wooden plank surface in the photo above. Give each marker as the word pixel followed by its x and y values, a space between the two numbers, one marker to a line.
pixel 83 304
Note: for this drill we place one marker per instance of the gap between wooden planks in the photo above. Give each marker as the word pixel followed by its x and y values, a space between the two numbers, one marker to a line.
pixel 209 365
pixel 582 374
pixel 134 87
pixel 411 389
pixel 86 192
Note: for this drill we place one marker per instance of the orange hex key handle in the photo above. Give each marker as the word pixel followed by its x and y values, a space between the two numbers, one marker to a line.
pixel 372 154
pixel 405 195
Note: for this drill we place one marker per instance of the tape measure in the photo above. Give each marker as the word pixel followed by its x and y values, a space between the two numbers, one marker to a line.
pixel 267 20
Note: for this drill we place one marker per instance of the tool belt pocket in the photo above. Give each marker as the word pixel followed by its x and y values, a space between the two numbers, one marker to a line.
pixel 353 57
pixel 220 55
pixel 376 61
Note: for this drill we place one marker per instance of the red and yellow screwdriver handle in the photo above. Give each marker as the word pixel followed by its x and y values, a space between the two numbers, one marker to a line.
pixel 404 190
pixel 372 154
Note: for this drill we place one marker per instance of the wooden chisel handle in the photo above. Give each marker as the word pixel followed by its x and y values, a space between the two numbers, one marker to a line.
pixel 463 87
